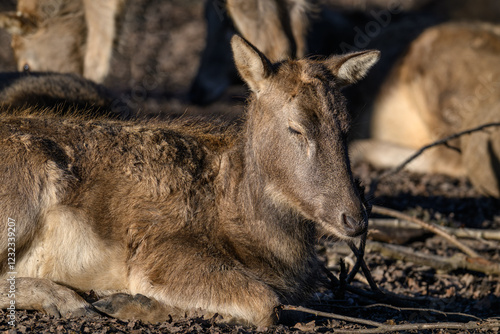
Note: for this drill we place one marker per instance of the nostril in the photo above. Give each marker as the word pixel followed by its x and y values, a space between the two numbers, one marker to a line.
pixel 352 226
pixel 349 222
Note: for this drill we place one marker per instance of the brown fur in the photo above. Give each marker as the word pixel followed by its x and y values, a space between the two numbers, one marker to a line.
pixel 60 93
pixel 277 27
pixel 190 216
pixel 447 82
pixel 77 35
pixel 74 36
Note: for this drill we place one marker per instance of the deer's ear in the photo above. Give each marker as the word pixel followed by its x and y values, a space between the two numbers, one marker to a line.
pixel 252 65
pixel 352 67
pixel 16 23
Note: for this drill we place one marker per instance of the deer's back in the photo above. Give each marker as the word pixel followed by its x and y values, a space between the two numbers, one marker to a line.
pixel 446 82
pixel 109 168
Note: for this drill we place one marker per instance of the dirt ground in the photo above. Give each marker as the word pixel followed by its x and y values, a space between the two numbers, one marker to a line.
pixel 155 61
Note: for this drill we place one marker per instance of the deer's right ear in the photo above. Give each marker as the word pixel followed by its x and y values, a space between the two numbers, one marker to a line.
pixel 252 65
pixel 17 24
pixel 352 67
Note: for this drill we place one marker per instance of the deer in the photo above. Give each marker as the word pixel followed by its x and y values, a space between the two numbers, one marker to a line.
pixel 60 93
pixel 164 218
pixel 278 28
pixel 445 83
pixel 71 36
pixel 320 30
pixel 77 36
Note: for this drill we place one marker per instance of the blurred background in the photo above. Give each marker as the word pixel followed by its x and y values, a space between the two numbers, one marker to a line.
pixel 159 48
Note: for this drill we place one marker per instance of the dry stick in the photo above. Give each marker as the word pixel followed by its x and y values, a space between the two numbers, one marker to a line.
pixel 359 253
pixel 331 315
pixel 376 294
pixel 423 326
pixel 443 141
pixel 364 267
pixel 457 261
pixel 416 309
pixel 433 228
pixel 382 328
pixel 457 232
pixel 340 294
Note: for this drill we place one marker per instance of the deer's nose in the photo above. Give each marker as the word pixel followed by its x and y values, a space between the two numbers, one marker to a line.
pixel 353 227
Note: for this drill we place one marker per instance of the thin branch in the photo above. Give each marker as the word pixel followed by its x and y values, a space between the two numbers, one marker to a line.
pixel 331 315
pixel 417 309
pixel 433 228
pixel 390 298
pixel 359 253
pixel 376 294
pixel 457 261
pixel 443 141
pixel 457 232
pixel 334 282
pixel 374 183
pixel 382 328
pixel 340 293
pixel 364 267
pixel 423 326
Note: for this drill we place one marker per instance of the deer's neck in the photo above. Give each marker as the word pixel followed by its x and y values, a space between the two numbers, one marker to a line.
pixel 264 229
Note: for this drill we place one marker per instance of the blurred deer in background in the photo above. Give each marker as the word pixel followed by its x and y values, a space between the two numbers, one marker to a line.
pixel 59 93
pixel 316 29
pixel 277 27
pixel 74 36
pixel 447 81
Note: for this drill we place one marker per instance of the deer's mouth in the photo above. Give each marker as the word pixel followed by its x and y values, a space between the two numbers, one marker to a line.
pixel 344 228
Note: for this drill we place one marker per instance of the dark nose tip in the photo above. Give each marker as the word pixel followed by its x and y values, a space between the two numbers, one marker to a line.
pixel 353 227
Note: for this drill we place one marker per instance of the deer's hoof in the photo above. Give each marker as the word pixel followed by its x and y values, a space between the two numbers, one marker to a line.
pixel 122 305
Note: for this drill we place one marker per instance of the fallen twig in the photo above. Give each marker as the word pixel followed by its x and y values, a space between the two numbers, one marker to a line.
pixel 424 326
pixel 457 261
pixel 417 309
pixel 364 267
pixel 375 294
pixel 457 232
pixel 331 315
pixel 360 252
pixel 431 227
pixel 443 141
pixel 383 328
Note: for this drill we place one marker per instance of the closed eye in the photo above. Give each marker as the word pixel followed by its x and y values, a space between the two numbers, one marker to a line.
pixel 294 131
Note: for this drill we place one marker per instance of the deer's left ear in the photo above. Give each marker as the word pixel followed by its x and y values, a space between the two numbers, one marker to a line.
pixel 252 65
pixel 352 67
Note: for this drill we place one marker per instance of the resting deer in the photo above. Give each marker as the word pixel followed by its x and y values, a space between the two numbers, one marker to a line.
pixel 60 93
pixel 176 218
pixel 73 36
pixel 446 83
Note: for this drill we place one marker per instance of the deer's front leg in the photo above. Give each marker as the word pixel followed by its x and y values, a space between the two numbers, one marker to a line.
pixel 43 295
pixel 192 275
